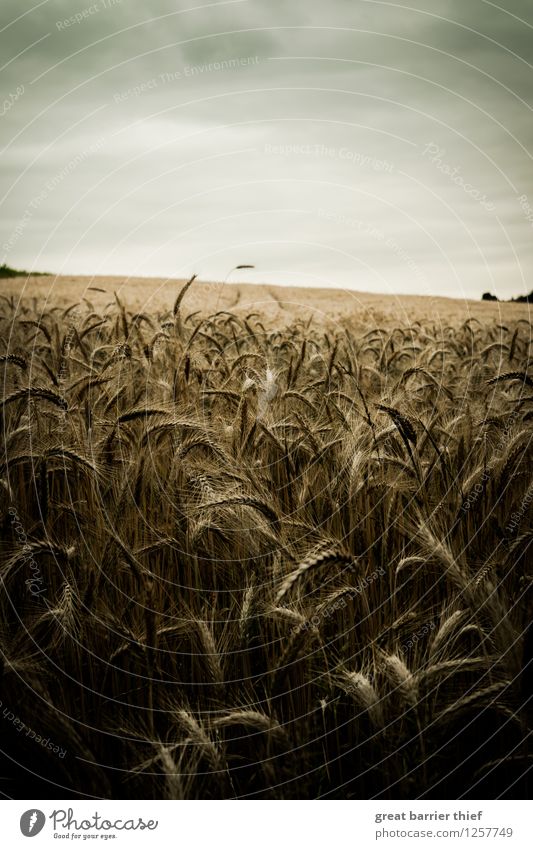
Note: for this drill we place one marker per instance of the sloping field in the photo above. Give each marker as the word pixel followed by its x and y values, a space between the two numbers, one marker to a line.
pixel 273 302
pixel 246 554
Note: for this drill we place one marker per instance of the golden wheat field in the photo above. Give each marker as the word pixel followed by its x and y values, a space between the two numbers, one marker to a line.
pixel 262 543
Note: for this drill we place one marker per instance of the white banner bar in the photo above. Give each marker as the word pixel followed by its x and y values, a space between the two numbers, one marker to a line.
pixel 267 825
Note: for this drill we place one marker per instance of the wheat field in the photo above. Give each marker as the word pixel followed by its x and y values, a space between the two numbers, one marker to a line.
pixel 251 558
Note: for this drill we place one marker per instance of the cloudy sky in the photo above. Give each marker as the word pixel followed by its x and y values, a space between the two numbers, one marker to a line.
pixel 362 144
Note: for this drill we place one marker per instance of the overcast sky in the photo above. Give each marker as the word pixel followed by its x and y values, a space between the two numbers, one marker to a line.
pixel 362 144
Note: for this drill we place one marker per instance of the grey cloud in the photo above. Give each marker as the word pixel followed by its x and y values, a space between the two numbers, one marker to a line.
pixel 156 119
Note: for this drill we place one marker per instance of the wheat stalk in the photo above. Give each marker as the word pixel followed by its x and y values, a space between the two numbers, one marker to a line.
pixel 330 557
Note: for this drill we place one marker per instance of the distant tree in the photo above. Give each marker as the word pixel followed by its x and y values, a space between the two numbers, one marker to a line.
pixel 524 299
pixel 6 271
pixel 486 296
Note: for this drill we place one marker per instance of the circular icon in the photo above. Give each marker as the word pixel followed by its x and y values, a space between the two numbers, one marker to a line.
pixel 32 822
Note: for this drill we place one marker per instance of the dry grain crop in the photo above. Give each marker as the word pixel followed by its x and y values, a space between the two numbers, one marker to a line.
pixel 245 560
